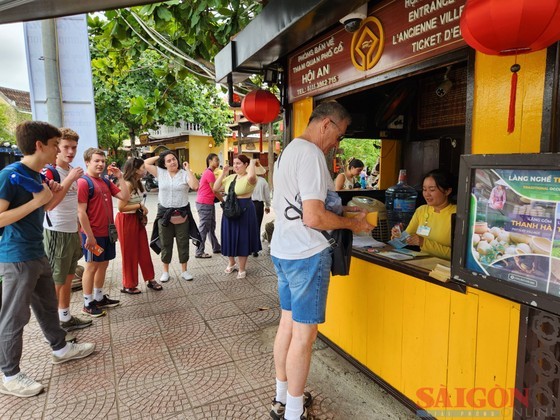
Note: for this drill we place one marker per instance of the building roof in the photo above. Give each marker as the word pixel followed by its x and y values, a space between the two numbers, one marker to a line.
pixel 18 98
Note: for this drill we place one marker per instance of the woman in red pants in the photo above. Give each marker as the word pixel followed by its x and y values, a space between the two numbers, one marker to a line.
pixel 131 226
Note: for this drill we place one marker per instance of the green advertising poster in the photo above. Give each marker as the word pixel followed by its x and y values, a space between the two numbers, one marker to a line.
pixel 514 230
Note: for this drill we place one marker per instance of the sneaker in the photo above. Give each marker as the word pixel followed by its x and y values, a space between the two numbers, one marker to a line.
pixel 107 303
pixel 277 409
pixel 69 338
pixel 76 284
pixel 21 386
pixel 75 323
pixel 185 275
pixel 164 277
pixel 76 351
pixel 93 311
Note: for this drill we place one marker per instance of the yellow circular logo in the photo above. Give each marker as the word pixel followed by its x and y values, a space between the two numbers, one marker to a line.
pixel 367 44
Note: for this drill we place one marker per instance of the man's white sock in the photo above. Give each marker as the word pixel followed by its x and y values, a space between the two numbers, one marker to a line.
pixel 294 407
pixel 64 315
pixel 281 391
pixel 98 294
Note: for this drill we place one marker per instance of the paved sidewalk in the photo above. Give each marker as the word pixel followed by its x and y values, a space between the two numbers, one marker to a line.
pixel 196 350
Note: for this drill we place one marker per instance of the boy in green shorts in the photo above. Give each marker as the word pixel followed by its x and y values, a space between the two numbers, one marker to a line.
pixel 62 239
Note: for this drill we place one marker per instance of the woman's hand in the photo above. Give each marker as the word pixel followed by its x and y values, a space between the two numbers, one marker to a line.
pixel 395 232
pixel 415 240
pixel 186 166
pixel 225 169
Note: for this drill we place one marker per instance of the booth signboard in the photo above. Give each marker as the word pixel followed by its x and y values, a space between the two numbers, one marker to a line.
pixel 508 232
pixel 396 33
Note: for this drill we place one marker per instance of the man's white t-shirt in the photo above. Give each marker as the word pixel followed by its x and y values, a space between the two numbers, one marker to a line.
pixel 64 217
pixel 300 174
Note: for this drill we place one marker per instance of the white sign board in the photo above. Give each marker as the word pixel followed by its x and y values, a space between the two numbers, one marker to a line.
pixel 76 85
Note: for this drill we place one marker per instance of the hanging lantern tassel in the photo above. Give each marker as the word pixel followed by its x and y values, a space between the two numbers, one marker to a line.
pixel 512 97
pixel 260 142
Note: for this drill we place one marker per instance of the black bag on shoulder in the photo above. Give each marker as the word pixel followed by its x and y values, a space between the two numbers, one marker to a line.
pixel 340 241
pixel 231 207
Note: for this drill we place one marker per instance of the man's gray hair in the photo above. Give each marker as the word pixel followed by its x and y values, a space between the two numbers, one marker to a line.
pixel 331 109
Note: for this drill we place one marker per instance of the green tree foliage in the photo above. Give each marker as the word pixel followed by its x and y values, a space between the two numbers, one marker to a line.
pixel 152 66
pixel 5 133
pixel 367 151
pixel 191 31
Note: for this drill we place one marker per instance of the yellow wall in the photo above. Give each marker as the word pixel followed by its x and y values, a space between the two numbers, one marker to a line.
pixel 390 163
pixel 417 336
pixel 301 112
pixel 491 106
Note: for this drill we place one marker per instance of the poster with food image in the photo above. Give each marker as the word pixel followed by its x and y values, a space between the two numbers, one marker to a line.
pixel 514 228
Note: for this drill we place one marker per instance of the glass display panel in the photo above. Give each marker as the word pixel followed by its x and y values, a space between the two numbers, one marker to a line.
pixel 507 239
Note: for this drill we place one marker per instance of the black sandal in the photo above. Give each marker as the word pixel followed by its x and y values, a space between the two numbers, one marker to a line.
pixel 154 285
pixel 131 290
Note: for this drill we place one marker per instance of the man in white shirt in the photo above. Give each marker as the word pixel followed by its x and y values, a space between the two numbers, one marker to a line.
pixel 302 256
pixel 62 240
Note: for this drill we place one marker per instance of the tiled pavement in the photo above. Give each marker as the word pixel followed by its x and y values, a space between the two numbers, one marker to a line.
pixel 196 350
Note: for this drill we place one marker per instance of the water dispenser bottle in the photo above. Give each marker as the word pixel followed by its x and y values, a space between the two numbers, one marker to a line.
pixel 400 201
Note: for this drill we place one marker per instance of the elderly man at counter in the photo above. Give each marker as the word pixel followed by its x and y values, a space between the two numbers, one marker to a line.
pixel 301 254
pixel 430 227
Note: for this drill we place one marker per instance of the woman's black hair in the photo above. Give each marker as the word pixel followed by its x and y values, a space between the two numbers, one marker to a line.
pixel 162 155
pixel 209 158
pixel 444 181
pixel 355 163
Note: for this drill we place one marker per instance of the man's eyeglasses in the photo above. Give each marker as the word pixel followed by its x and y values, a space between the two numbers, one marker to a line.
pixel 341 137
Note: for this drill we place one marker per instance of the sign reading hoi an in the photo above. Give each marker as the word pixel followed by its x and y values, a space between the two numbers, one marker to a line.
pixel 396 33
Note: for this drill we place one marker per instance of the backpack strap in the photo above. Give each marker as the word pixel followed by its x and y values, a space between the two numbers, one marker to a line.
pixel 91 187
pixel 54 172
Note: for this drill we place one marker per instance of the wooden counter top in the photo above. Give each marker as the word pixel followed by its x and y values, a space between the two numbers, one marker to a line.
pixel 406 268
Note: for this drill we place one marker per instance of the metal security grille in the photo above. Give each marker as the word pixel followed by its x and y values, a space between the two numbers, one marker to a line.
pixel 540 368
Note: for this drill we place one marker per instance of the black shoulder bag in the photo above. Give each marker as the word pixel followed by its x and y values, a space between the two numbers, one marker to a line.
pixel 231 207
pixel 340 241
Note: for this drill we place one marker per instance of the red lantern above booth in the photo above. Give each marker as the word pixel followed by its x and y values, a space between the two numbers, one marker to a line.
pixel 260 106
pixel 509 27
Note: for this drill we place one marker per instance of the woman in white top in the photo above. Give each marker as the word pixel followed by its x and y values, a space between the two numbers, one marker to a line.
pixel 173 201
pixel 132 231
pixel 347 179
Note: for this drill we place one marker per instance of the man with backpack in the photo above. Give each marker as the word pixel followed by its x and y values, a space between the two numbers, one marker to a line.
pixel 62 240
pixel 25 270
pixel 98 231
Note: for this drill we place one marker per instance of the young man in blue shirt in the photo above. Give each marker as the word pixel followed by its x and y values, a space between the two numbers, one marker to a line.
pixel 26 273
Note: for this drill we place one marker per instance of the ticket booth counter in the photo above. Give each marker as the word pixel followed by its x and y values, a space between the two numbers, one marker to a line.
pixel 454 350
pixel 421 337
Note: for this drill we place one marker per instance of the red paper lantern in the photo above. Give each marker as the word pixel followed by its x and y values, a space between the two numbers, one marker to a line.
pixel 509 27
pixel 260 107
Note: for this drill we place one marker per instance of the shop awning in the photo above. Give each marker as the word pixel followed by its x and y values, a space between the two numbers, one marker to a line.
pixel 281 27
pixel 27 10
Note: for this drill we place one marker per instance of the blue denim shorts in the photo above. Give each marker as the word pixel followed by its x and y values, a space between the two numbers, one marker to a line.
pixel 109 249
pixel 303 286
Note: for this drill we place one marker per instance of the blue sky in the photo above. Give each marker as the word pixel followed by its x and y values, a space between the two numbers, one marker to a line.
pixel 13 64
